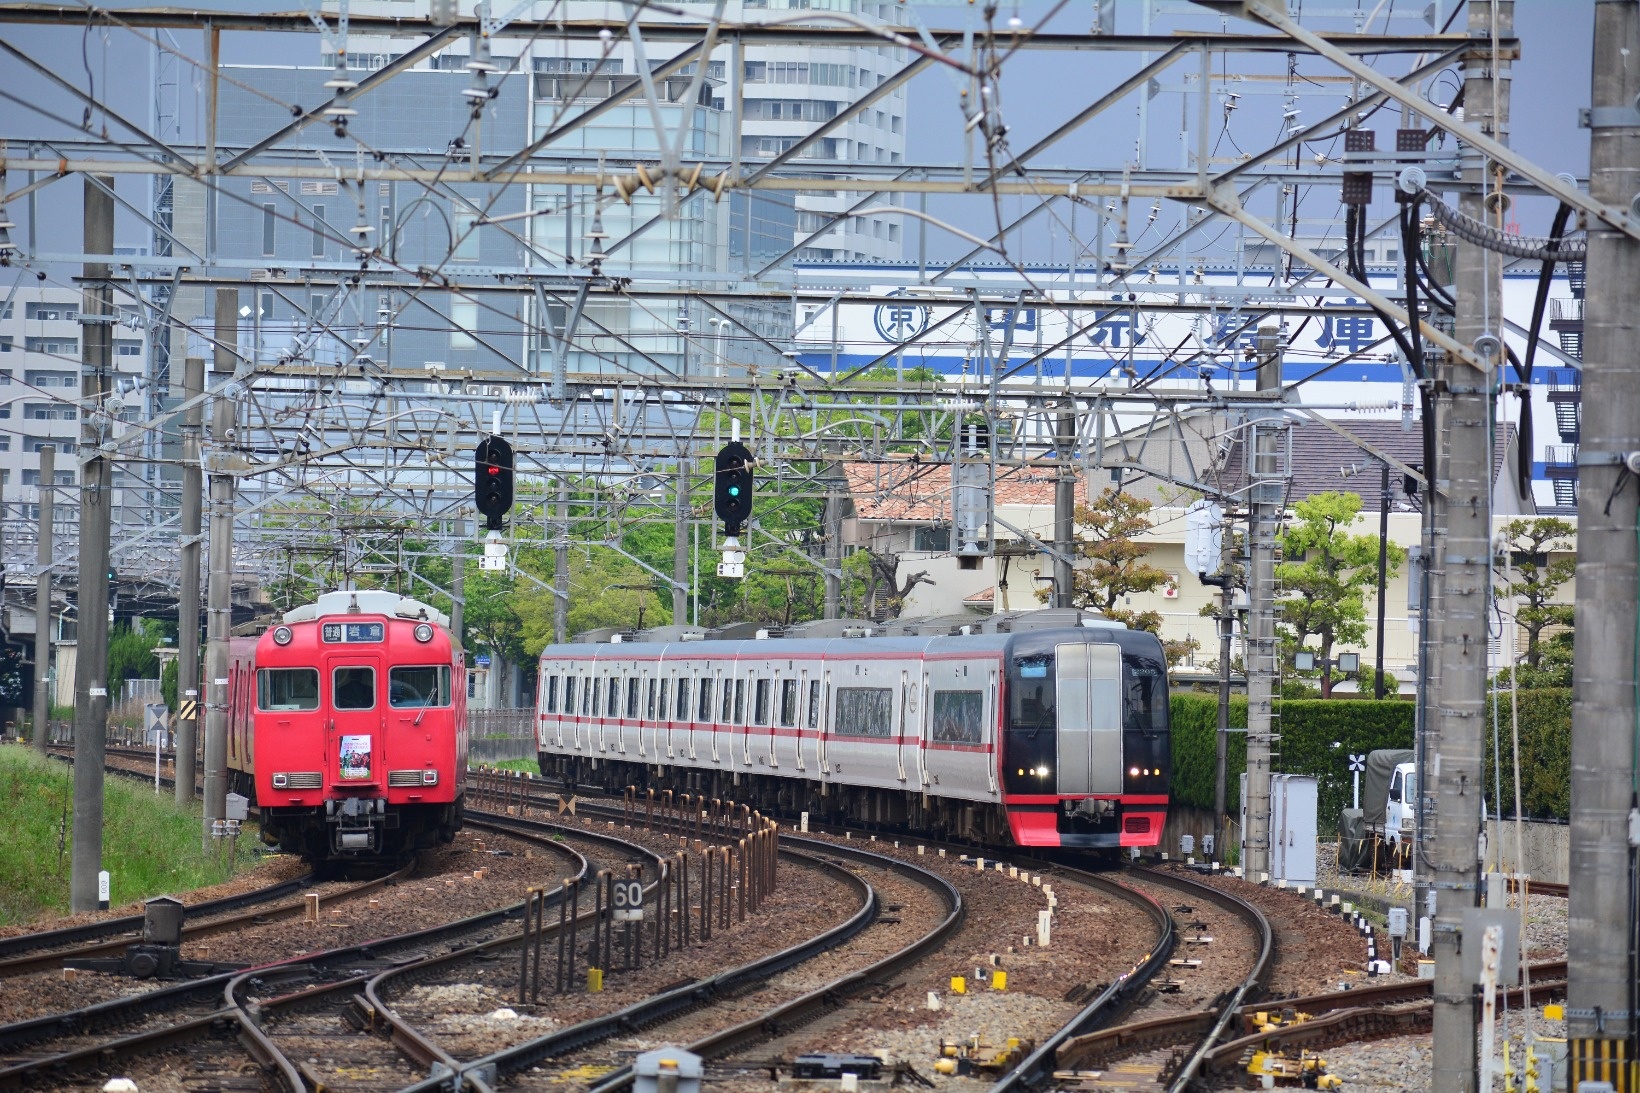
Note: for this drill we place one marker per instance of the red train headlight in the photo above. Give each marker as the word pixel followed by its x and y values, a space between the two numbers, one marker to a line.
pixel 279 781
pixel 281 635
pixel 429 777
pixel 424 632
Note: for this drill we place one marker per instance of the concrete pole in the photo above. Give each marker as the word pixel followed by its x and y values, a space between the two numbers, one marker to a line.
pixel 458 581
pixel 1603 918
pixel 1464 422
pixel 1383 575
pixel 1222 752
pixel 193 384
pixel 834 552
pixel 560 569
pixel 96 482
pixel 680 544
pixel 1064 513
pixel 219 581
pixel 42 600
pixel 1269 490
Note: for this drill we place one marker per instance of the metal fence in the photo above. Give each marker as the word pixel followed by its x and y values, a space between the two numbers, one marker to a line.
pixel 499 735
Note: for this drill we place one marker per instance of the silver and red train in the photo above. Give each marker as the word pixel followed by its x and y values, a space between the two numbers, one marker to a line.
pixel 348 727
pixel 1052 730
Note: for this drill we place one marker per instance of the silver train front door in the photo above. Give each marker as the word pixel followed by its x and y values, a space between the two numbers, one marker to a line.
pixel 1088 697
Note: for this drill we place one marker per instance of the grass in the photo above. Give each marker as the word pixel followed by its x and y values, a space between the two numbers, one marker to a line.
pixel 150 847
pixel 529 765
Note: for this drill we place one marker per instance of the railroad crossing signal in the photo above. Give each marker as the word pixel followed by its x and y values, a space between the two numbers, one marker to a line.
pixel 493 480
pixel 1358 763
pixel 732 486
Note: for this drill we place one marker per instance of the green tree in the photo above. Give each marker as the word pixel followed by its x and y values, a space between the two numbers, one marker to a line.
pixel 131 654
pixel 1535 577
pixel 168 683
pixel 1115 564
pixel 1326 574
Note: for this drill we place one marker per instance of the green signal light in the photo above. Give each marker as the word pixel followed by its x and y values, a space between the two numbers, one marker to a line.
pixel 734 491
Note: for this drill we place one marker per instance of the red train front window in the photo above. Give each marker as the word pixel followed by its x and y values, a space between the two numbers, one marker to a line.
pixel 281 689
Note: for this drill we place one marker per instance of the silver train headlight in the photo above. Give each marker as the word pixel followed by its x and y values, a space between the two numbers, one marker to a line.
pixel 423 632
pixel 281 635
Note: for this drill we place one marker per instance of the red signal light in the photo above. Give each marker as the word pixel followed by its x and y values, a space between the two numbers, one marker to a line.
pixel 494 471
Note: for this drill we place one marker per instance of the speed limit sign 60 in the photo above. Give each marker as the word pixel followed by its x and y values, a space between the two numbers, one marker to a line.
pixel 628 901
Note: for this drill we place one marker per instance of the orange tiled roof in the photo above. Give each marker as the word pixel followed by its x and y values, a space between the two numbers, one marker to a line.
pixel 921 492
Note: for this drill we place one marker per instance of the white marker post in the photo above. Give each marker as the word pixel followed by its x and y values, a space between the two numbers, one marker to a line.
pixel 102 890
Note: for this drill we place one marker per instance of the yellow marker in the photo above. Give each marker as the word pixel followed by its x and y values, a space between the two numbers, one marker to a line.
pixel 947 1067
pixel 959 985
pixel 595 980
pixel 999 980
pixel 1555 1012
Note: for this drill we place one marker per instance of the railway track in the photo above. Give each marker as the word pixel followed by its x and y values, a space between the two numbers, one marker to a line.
pixel 1037 1068
pixel 47 1050
pixel 1168 1052
pixel 584 1048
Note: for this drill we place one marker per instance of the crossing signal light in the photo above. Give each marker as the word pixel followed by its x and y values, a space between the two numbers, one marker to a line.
pixel 493 480
pixel 732 491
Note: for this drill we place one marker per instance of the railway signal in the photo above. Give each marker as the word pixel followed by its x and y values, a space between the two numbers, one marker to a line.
pixel 732 490
pixel 493 480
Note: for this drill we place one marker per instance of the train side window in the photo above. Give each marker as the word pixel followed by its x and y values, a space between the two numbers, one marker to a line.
pixel 740 702
pixel 865 711
pixel 569 694
pixel 415 688
pixel 788 703
pixel 632 698
pixel 814 703
pixel 762 703
pixel 551 704
pixel 726 714
pixel 281 689
pixel 649 705
pixel 589 695
pixel 612 702
pixel 682 713
pixel 353 688
pixel 957 717
pixel 703 700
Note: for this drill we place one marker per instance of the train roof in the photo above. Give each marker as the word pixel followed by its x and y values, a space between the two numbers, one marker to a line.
pixel 367 602
pixel 911 636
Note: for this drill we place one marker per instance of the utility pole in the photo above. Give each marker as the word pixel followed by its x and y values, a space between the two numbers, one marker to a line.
pixel 458 581
pixel 1227 623
pixel 219 582
pixel 1268 493
pixel 193 474
pixel 1064 512
pixel 834 551
pixel 1464 420
pixel 1383 573
pixel 1602 995
pixel 42 599
pixel 96 502
pixel 680 543
pixel 560 568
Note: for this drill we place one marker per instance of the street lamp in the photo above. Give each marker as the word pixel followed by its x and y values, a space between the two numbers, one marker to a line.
pixel 1347 663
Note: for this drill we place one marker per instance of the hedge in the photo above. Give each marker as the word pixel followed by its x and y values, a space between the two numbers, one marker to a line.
pixel 1545 753
pixel 1307 730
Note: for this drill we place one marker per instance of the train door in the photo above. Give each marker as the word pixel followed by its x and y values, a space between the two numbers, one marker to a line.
pixel 1088 698
pixel 356 718
pixel 906 740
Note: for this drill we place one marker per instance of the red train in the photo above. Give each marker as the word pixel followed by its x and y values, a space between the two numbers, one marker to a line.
pixel 348 727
